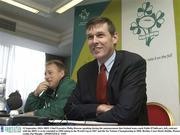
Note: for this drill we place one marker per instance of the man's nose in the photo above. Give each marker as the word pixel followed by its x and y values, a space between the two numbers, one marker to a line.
pixel 95 40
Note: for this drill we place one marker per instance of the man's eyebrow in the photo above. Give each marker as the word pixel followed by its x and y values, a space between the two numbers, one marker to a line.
pixel 87 35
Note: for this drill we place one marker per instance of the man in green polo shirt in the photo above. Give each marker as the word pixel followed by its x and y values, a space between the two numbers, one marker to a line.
pixel 50 96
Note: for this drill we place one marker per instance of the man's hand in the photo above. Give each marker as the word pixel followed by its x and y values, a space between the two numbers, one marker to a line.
pixel 43 86
pixel 103 108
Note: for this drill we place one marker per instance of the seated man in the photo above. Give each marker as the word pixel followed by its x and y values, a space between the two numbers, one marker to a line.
pixel 112 87
pixel 50 96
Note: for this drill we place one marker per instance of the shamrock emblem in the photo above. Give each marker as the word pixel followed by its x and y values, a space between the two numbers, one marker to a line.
pixel 147 23
pixel 84 14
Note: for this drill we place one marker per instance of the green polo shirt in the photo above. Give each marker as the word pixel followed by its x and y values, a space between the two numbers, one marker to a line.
pixel 51 105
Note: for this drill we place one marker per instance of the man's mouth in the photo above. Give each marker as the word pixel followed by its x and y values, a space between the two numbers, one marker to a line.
pixel 96 49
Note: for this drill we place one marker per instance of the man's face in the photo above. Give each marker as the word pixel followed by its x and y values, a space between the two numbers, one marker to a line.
pixel 53 75
pixel 101 42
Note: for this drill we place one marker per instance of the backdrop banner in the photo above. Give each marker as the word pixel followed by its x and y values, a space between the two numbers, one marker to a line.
pixel 148 29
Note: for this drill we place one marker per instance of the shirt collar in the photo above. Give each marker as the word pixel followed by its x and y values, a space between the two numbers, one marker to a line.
pixel 109 62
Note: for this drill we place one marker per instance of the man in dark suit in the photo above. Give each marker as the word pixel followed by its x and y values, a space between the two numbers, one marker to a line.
pixel 124 96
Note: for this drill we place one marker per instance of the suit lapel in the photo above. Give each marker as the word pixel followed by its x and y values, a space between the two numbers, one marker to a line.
pixel 114 67
pixel 93 78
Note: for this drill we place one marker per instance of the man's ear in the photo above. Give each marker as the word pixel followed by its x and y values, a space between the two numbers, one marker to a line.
pixel 62 73
pixel 115 38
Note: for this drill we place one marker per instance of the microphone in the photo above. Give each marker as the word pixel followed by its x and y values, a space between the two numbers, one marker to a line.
pixel 14 101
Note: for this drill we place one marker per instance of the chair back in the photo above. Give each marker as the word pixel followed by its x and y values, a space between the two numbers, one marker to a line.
pixel 158 114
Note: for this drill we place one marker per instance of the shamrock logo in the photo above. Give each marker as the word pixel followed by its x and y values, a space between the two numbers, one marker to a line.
pixel 84 14
pixel 147 23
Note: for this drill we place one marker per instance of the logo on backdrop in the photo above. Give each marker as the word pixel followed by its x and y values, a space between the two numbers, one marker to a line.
pixel 147 23
pixel 84 16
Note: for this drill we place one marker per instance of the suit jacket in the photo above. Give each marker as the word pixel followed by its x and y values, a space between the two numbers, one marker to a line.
pixel 126 91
